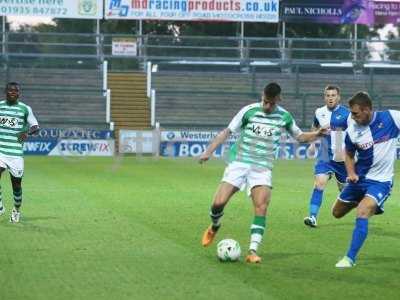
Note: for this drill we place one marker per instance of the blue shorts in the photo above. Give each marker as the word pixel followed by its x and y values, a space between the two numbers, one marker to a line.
pixel 355 192
pixel 331 167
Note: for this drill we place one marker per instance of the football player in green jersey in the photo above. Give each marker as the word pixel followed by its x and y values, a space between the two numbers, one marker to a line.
pixel 16 123
pixel 260 126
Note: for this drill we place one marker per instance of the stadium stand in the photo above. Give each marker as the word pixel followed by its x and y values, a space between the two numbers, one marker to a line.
pixel 62 97
pixel 201 81
pixel 210 99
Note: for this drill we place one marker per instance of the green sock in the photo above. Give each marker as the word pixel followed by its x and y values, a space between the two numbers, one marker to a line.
pixel 256 232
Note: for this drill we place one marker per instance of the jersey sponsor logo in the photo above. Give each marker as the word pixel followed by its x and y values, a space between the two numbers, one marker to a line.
pixel 10 122
pixel 369 144
pixel 365 146
pixel 262 130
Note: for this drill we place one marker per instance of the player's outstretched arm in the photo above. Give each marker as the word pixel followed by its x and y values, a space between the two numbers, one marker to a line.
pixel 312 135
pixel 218 140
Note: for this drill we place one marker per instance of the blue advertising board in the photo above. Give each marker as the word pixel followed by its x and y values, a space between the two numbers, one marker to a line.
pixel 288 150
pixel 70 142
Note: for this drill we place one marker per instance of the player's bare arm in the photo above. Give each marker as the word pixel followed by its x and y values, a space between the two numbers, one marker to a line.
pixel 312 135
pixel 312 148
pixel 218 140
pixel 24 135
pixel 350 163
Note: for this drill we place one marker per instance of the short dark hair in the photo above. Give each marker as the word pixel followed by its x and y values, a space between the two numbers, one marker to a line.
pixel 361 99
pixel 12 83
pixel 272 90
pixel 332 87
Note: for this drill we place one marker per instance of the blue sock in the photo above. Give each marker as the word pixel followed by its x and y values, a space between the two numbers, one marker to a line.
pixel 360 233
pixel 315 202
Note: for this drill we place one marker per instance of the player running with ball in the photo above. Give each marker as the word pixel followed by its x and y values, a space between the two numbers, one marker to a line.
pixel 251 160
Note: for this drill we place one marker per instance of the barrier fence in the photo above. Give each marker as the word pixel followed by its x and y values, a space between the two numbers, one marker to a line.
pixel 129 52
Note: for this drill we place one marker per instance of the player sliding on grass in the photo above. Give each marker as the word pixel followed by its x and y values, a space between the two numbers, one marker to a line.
pixel 372 138
pixel 16 123
pixel 251 159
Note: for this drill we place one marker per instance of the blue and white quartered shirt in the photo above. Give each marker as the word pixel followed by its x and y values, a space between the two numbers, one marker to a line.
pixel 337 119
pixel 375 145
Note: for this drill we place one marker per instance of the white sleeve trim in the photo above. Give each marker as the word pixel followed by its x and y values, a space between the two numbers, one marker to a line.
pixel 295 131
pixel 31 118
pixel 396 117
pixel 349 119
pixel 236 123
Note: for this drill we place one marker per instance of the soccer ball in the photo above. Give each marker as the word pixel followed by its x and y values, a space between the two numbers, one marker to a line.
pixel 228 250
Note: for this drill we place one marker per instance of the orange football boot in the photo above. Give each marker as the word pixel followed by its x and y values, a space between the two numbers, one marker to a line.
pixel 208 236
pixel 253 258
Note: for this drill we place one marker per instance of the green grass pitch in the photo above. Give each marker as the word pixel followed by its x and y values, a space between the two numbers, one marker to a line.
pixel 130 228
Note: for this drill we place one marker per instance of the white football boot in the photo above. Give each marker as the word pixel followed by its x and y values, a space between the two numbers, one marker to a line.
pixel 310 221
pixel 15 215
pixel 345 262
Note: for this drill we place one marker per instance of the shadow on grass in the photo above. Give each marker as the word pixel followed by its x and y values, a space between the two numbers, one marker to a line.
pixel 341 224
pixel 378 260
pixel 379 231
pixel 287 255
pixel 29 224
pixel 39 218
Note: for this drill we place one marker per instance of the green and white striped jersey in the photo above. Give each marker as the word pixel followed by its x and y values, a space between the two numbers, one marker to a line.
pixel 260 134
pixel 14 119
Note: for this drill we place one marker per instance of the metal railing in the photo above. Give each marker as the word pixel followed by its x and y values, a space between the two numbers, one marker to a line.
pixel 91 49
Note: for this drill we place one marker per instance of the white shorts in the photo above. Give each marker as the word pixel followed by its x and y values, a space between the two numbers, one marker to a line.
pixel 244 175
pixel 14 164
